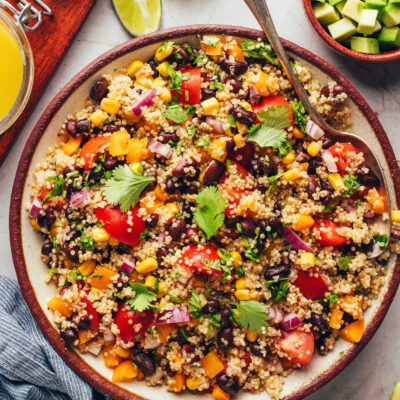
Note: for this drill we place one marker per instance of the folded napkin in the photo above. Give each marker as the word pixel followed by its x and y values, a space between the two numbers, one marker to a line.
pixel 29 367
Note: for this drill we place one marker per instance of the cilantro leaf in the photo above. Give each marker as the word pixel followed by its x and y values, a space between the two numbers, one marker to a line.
pixel 143 297
pixel 278 288
pixel 175 113
pixel 352 185
pixel 209 216
pixel 194 303
pixel 284 148
pixel 125 187
pixel 215 85
pixel 210 40
pixel 204 141
pixel 87 242
pixel 58 187
pixel 252 315
pixel 272 132
pixel 344 262
pixel 382 240
pixel 300 115
pixel 255 49
pixel 176 79
pixel 273 180
pixel 201 59
pixel 231 121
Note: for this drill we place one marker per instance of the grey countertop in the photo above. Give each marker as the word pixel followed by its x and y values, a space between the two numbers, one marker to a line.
pixel 375 371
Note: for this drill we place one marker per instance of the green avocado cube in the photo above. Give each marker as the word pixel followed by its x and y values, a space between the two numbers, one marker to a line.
pixel 390 37
pixel 367 22
pixel 342 29
pixel 377 27
pixel 341 5
pixel 325 13
pixel 353 9
pixel 391 15
pixel 375 4
pixel 334 2
pixel 365 45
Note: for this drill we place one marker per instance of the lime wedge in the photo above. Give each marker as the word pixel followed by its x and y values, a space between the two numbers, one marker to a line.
pixel 396 392
pixel 139 16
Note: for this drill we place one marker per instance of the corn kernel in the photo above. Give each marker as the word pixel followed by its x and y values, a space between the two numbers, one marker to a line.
pixel 239 140
pixel 240 284
pixel 210 106
pixel 395 215
pixel 217 149
pixel 255 296
pixel 203 300
pixel 159 82
pixel 291 175
pixel 242 294
pixel 251 336
pixel 289 158
pixel 113 242
pixel 163 51
pixel 98 117
pixel 193 384
pixel 162 289
pixel 146 266
pixel 162 69
pixel 303 222
pixel 165 94
pixel 297 133
pixel 87 267
pixel 242 128
pixel 35 224
pixel 307 260
pixel 134 68
pixel 237 259
pixel 110 106
pixel 247 106
pixel 100 234
pixel 150 282
pixel 314 148
pixel 172 209
pixel 336 181
pixel 136 168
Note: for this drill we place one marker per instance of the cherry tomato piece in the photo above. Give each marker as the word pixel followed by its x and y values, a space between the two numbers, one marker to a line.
pixel 344 152
pixel 326 234
pixel 200 259
pixel 273 101
pixel 311 287
pixel 128 321
pixel 92 312
pixel 298 345
pixel 243 156
pixel 91 148
pixel 190 88
pixel 116 224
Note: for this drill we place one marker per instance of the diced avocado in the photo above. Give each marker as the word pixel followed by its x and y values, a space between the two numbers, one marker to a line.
pixel 325 13
pixel 342 29
pixel 375 4
pixel 334 2
pixel 353 9
pixel 394 1
pixel 390 37
pixel 367 22
pixel 364 45
pixel 377 27
pixel 391 15
pixel 341 5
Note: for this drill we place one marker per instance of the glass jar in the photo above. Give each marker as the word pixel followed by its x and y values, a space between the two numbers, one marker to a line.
pixel 16 70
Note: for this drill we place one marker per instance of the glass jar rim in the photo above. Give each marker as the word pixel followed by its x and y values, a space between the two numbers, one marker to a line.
pixel 28 72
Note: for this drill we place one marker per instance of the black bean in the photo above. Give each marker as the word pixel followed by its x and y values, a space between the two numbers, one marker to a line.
pixel 325 91
pixel 244 116
pixel 235 67
pixel 84 322
pixel 188 348
pixel 72 252
pixel 338 90
pixel 276 226
pixel 225 338
pixel 232 222
pixel 99 90
pixel 262 224
pixel 170 185
pixel 248 227
pixel 396 233
pixel 211 306
pixel 233 234
pixel 112 128
pixel 262 188
pixel 153 66
pixel 368 215
pixel 161 253
pixel 368 179
pixel 169 371
pixel 313 164
pixel 70 126
pixel 225 315
pixel 145 363
pixel 70 190
pixel 236 85
pixel 69 336
pixel 67 170
pixel 213 172
pixel 47 247
pixel 110 162
pixel 46 219
pixel 228 384
pixel 261 167
pixel 255 348
pixel 191 165
pixel 326 142
pixel 152 220
pixel 347 318
pixel 71 235
pixel 253 97
pixel 176 228
pixel 319 321
pixel 280 270
pixel 165 137
pixel 187 210
pixel 83 126
pixel 229 145
pixel 207 93
pixel 312 185
pixel 191 189
pixel 69 212
pixel 182 55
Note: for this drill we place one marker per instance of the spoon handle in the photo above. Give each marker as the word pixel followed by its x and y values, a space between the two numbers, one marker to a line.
pixel 260 10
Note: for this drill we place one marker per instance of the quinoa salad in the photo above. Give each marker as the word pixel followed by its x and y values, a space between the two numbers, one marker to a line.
pixel 201 231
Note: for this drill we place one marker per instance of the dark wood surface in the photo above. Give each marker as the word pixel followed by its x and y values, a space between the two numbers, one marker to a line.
pixel 49 43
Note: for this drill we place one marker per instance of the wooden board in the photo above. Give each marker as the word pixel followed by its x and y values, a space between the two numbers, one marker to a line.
pixel 49 43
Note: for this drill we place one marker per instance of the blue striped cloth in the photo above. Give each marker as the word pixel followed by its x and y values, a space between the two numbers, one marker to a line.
pixel 29 367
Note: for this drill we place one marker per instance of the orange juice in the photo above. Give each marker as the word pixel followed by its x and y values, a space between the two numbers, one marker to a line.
pixel 11 69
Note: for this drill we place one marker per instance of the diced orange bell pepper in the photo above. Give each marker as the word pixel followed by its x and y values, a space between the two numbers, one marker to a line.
pixel 161 195
pixel 58 304
pixel 353 305
pixel 209 49
pixel 303 222
pixel 111 360
pixel 125 372
pixel 119 143
pixel 336 319
pixel 102 277
pixel 137 150
pixel 72 145
pixel 178 383
pixel 120 351
pixel 236 52
pixel 219 394
pixel 376 201
pixel 85 336
pixel 150 203
pixel 164 331
pixel 212 364
pixel 354 331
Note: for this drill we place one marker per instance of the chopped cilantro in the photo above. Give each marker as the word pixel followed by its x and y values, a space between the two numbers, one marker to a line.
pixel 54 240
pixel 300 115
pixel 252 315
pixel 195 304
pixel 382 241
pixel 174 299
pixel 191 131
pixel 341 354
pixel 87 242
pixel 240 270
pixel 175 113
pixel 278 288
pixel 284 148
pixel 255 49
pixel 344 262
pixel 73 276
pixel 210 40
pixel 144 235
pixel 143 298
pixel 231 121
pixel 201 59
pixel 204 141
pixel 176 79
pixel 352 185
pixel 58 187
pixel 273 180
pixel 215 85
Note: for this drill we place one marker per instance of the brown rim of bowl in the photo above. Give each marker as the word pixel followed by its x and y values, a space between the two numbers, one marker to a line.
pixel 376 58
pixel 71 358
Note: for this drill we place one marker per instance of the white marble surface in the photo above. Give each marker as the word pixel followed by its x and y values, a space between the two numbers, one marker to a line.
pixel 372 375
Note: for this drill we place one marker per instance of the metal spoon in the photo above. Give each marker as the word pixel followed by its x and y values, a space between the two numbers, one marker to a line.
pixel 260 10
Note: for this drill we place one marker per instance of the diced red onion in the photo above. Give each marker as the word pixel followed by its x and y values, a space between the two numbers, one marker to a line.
pixel 184 280
pixel 163 150
pixel 151 342
pixel 127 267
pixel 94 347
pixel 108 336
pixel 79 199
pixel 161 238
pixel 295 241
pixel 216 125
pixel 174 316
pixel 255 98
pixel 290 321
pixel 145 100
pixel 275 316
pixel 36 208
pixel 313 130
pixel 329 161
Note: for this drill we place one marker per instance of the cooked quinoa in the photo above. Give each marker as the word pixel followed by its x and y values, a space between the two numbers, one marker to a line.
pixel 202 233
